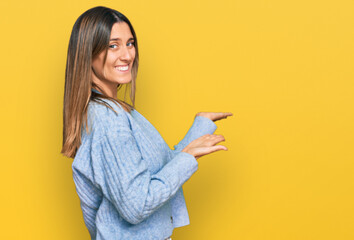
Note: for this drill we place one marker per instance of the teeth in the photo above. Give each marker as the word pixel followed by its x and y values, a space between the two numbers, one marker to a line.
pixel 122 68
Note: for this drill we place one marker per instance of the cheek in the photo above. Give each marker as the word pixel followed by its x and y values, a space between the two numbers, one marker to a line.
pixel 97 66
pixel 110 62
pixel 132 53
pixel 97 63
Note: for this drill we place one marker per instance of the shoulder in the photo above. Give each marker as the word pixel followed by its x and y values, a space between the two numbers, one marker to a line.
pixel 105 118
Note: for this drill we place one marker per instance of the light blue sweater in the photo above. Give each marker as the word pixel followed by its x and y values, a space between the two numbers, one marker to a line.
pixel 128 180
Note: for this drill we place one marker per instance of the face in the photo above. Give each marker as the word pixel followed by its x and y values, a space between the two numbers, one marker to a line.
pixel 119 62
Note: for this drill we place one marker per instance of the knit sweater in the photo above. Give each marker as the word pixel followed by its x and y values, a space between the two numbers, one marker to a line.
pixel 127 178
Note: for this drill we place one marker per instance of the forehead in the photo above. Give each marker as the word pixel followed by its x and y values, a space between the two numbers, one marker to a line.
pixel 121 30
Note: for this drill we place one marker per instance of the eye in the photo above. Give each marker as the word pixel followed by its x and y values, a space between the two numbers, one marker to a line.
pixel 111 46
pixel 132 43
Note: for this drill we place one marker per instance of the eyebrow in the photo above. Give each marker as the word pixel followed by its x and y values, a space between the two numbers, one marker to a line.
pixel 118 39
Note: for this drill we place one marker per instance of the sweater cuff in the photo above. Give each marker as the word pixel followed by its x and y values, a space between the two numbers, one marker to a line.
pixel 206 125
pixel 187 164
pixel 177 171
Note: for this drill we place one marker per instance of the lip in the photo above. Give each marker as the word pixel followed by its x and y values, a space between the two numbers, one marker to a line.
pixel 115 67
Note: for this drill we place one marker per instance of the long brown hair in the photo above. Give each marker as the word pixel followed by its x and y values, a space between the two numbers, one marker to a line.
pixel 89 37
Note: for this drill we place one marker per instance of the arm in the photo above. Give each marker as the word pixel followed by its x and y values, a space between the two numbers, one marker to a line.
pixel 123 175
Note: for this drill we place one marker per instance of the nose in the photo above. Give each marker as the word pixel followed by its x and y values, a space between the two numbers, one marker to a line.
pixel 125 54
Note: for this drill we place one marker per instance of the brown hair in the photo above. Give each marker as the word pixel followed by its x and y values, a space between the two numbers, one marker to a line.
pixel 89 37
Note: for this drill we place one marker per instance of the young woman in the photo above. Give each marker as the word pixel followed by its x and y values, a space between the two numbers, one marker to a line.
pixel 128 180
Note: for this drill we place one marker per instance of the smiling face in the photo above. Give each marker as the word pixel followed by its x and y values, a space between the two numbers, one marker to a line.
pixel 119 62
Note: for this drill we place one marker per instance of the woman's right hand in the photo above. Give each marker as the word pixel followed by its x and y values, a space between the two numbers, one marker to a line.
pixel 205 145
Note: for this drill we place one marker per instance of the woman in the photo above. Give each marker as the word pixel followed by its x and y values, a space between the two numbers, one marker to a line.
pixel 128 180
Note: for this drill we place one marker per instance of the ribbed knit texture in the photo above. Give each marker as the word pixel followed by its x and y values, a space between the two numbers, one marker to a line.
pixel 128 180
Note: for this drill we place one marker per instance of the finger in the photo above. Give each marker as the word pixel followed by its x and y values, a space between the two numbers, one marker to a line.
pixel 214 136
pixel 212 139
pixel 227 114
pixel 218 136
pixel 222 115
pixel 215 139
pixel 206 150
pixel 218 147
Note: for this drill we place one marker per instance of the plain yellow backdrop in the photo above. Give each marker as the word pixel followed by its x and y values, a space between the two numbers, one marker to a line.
pixel 283 68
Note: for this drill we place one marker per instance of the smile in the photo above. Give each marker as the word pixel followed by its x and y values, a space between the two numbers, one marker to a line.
pixel 122 68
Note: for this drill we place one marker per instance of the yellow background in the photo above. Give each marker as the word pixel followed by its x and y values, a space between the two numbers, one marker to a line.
pixel 284 68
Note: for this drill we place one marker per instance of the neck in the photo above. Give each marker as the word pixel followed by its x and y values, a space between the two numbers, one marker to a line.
pixel 110 89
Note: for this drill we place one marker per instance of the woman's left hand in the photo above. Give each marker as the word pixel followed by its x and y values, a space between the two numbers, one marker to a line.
pixel 215 116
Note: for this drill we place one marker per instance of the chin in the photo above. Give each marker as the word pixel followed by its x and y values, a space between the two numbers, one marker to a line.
pixel 124 81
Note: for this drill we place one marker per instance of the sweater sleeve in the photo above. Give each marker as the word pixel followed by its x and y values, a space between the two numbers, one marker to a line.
pixel 124 177
pixel 201 126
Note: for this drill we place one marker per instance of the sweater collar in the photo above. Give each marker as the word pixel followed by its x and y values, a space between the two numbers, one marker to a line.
pixel 94 90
